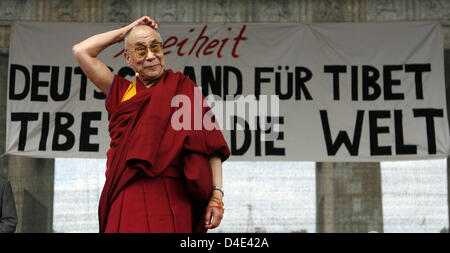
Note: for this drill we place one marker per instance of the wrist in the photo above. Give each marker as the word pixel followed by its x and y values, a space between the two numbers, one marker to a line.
pixel 216 194
pixel 217 190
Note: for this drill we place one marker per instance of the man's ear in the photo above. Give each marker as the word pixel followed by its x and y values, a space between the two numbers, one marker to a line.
pixel 127 57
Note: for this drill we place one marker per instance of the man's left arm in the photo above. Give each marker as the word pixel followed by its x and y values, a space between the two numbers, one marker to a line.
pixel 8 219
pixel 214 214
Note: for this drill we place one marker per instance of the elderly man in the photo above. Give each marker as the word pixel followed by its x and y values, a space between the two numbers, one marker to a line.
pixel 158 179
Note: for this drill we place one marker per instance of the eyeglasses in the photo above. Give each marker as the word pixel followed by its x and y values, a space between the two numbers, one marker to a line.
pixel 142 51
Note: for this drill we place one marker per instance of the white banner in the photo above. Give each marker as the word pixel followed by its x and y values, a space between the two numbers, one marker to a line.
pixel 320 92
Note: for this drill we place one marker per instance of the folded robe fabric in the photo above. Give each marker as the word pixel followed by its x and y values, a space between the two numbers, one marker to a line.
pixel 144 142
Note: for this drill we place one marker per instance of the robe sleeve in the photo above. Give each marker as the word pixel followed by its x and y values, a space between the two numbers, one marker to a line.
pixel 208 139
pixel 214 140
pixel 116 92
pixel 202 141
pixel 199 145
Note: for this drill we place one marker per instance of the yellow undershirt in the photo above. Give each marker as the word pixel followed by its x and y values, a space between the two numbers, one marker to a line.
pixel 131 91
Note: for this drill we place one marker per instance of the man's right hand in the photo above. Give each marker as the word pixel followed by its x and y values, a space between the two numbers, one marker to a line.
pixel 145 20
pixel 86 53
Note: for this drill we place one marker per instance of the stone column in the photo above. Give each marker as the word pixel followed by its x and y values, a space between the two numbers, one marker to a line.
pixel 348 194
pixel 348 198
pixel 447 91
pixel 31 179
pixel 3 71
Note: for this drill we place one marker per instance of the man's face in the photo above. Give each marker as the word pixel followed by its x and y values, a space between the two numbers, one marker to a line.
pixel 150 65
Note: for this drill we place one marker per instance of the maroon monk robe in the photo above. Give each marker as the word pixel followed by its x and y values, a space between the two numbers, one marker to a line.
pixel 158 179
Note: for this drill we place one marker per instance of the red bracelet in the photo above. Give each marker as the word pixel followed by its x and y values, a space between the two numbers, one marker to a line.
pixel 219 203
